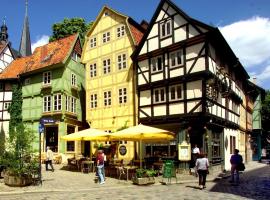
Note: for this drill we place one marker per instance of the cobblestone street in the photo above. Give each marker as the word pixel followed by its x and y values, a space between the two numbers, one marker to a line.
pixel 255 184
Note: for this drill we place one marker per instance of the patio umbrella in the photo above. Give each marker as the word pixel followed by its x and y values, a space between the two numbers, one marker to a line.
pixel 87 135
pixel 143 133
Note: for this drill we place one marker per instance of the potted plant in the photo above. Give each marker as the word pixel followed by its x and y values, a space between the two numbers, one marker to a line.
pixel 144 176
pixel 19 159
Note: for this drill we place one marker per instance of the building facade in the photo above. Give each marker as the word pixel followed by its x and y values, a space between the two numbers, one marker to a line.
pixel 187 82
pixel 110 84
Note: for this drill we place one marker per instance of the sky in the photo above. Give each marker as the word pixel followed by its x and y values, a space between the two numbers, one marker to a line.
pixel 245 24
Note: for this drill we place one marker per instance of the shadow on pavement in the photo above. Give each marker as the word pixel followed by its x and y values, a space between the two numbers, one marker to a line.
pixel 254 183
pixel 194 187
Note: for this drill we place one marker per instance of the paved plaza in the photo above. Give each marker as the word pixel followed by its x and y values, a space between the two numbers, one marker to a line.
pixel 63 184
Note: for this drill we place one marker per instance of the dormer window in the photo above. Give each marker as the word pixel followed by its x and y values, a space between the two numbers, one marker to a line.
pixel 75 56
pixel 166 28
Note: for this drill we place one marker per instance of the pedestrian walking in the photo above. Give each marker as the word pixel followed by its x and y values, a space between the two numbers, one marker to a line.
pixel 194 155
pixel 235 160
pixel 100 166
pixel 202 165
pixel 49 159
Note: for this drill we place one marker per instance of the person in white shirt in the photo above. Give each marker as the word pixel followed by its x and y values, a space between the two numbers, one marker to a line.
pixel 202 165
pixel 194 154
pixel 49 159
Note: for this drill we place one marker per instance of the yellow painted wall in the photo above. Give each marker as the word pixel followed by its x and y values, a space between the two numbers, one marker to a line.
pixel 114 116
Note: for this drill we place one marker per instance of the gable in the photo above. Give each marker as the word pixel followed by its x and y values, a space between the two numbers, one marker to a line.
pixel 170 25
pixel 6 57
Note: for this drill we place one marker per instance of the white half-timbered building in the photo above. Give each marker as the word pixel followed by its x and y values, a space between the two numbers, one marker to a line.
pixel 188 82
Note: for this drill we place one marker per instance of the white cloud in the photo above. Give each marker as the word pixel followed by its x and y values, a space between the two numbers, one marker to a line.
pixel 264 76
pixel 250 40
pixel 40 40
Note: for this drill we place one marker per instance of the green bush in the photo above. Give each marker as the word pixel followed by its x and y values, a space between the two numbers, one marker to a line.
pixel 141 173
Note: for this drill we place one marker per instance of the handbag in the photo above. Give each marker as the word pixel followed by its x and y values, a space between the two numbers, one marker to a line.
pixel 241 167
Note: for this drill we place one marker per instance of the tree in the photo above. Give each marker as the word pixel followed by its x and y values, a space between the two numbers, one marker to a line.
pixel 68 27
pixel 266 118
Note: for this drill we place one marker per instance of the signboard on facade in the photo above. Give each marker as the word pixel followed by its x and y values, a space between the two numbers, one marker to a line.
pixel 123 150
pixel 184 151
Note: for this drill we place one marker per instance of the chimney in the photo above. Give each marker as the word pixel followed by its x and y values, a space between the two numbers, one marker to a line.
pixel 144 24
pixel 254 80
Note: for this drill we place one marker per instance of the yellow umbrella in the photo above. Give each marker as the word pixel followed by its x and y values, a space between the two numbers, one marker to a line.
pixel 87 134
pixel 143 133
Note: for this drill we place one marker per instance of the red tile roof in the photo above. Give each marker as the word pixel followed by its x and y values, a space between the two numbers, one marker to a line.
pixel 137 34
pixel 50 54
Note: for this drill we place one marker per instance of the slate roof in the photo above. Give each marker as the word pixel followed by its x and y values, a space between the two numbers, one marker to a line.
pixel 50 54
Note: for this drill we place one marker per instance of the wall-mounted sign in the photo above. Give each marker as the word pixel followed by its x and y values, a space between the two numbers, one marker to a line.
pixel 184 151
pixel 123 150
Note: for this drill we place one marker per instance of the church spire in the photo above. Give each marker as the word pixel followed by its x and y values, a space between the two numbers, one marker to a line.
pixel 25 45
pixel 3 32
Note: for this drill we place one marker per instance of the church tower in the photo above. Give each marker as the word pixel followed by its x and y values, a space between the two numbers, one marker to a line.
pixel 3 33
pixel 25 44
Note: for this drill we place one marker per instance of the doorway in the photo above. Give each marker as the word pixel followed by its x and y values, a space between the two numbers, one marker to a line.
pixel 51 138
pixel 86 148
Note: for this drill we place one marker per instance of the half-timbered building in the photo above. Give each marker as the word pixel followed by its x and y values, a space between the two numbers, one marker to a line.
pixel 188 82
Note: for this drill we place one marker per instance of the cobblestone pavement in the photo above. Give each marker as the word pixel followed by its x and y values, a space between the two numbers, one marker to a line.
pixel 255 184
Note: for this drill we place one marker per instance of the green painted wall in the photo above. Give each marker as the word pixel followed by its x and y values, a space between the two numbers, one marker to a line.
pixel 61 83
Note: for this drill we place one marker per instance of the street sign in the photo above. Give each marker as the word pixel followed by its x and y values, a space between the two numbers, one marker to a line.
pixel 47 120
pixel 41 128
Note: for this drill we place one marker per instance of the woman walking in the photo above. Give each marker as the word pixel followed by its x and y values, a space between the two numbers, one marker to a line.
pixel 202 165
pixel 100 166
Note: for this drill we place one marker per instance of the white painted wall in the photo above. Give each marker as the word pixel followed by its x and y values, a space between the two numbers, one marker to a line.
pixel 227 155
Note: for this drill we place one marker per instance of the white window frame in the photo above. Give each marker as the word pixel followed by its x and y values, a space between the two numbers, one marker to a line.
pixel 73 80
pixel 106 66
pixel 57 98
pixel 93 101
pixel 107 98
pixel 93 42
pixel 155 64
pixel 47 103
pixel 122 61
pixel 106 37
pixel 167 25
pixel 73 105
pixel 27 81
pixel 122 95
pixel 6 105
pixel 75 56
pixel 174 93
pixel 93 70
pixel 120 31
pixel 47 77
pixel 157 95
pixel 174 58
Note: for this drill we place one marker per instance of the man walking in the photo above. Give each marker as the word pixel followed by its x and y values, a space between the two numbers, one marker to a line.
pixel 235 160
pixel 49 158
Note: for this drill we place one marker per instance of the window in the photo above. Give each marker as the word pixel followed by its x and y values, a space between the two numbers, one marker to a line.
pixel 93 42
pixel 122 95
pixel 27 81
pixel 175 92
pixel 216 153
pixel 93 101
pixel 107 98
pixel 93 70
pixel 57 102
pixel 73 80
pixel 176 58
pixel 106 66
pixel 47 76
pixel 232 144
pixel 122 61
pixel 106 37
pixel 47 104
pixel 70 144
pixel 71 104
pixel 166 28
pixel 159 95
pixel 120 31
pixel 157 64
pixel 75 56
pixel 6 105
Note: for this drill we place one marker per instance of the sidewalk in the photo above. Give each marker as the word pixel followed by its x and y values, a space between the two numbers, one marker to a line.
pixel 62 180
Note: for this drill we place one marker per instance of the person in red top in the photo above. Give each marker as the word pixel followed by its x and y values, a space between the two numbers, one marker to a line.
pixel 100 166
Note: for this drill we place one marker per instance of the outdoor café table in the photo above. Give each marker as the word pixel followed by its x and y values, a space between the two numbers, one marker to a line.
pixel 129 169
pixel 87 165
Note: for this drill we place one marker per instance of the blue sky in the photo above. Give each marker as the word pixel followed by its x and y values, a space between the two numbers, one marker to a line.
pixel 245 24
